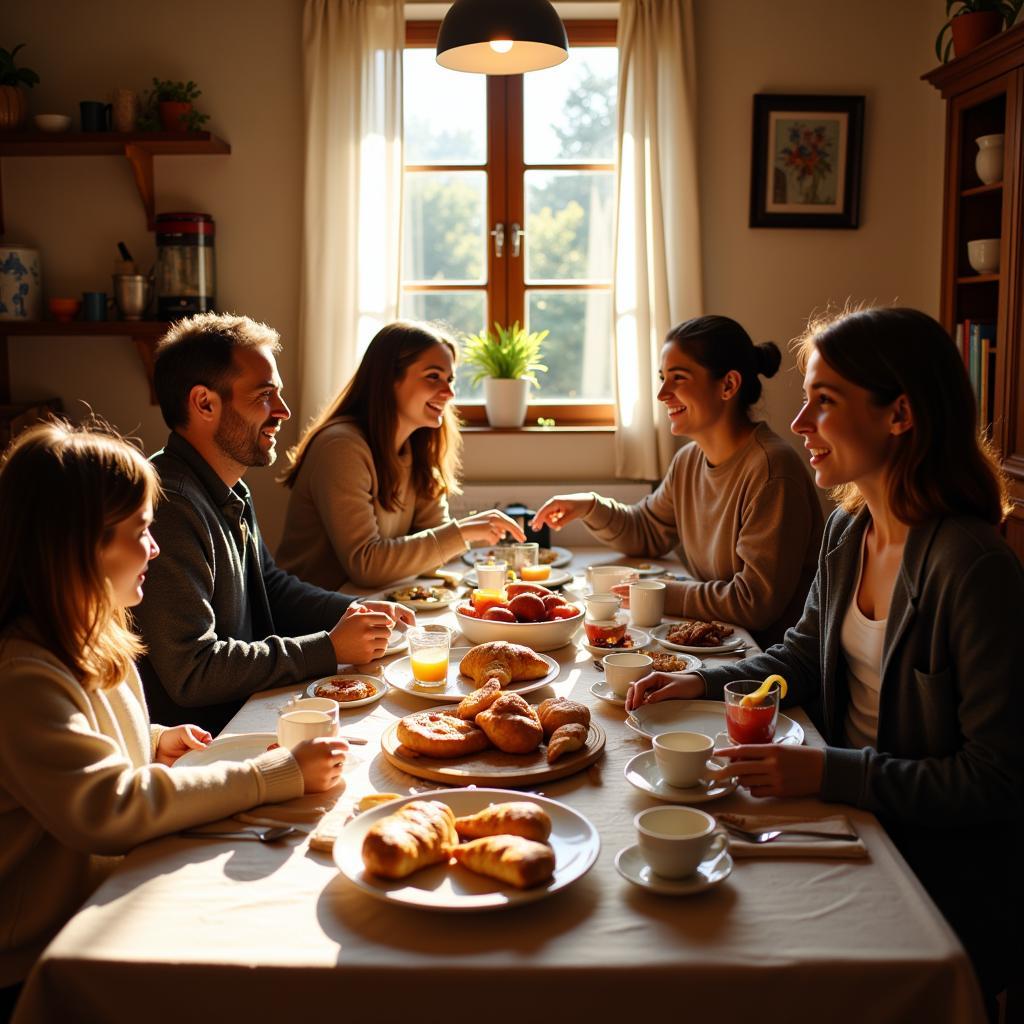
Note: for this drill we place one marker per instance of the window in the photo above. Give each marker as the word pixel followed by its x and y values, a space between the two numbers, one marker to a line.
pixel 509 211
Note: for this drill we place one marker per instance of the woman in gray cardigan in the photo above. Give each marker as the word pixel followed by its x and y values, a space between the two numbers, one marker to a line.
pixel 908 635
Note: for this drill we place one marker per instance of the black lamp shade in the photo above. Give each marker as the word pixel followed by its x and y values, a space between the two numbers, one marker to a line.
pixel 532 27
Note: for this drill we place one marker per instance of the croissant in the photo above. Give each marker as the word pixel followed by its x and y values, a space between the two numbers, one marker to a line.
pixel 565 739
pixel 511 725
pixel 502 661
pixel 517 818
pixel 479 700
pixel 556 711
pixel 512 859
pixel 417 835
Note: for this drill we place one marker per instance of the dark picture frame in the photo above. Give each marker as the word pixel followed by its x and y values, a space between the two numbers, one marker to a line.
pixel 807 154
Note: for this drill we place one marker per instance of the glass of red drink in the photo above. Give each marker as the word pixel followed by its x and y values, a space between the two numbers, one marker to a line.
pixel 754 724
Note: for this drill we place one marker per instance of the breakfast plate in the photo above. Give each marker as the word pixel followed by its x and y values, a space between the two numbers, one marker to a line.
pixel 493 767
pixel 556 578
pixel 574 841
pixel 421 597
pixel 555 557
pixel 379 689
pixel 239 747
pixel 643 772
pixel 644 569
pixel 706 716
pixel 639 639
pixel 399 675
pixel 735 644
pixel 715 868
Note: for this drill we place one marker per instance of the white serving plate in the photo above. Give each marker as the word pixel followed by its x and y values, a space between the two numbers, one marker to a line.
pixel 659 633
pixel 452 888
pixel 457 686
pixel 563 556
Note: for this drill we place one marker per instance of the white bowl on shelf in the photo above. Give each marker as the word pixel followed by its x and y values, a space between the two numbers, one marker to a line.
pixel 52 122
pixel 983 255
pixel 541 636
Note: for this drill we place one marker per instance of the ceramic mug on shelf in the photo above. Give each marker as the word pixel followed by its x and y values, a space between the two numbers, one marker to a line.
pixel 125 110
pixel 983 255
pixel 95 115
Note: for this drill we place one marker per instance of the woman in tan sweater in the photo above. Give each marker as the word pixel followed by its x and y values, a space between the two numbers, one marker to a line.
pixel 737 501
pixel 84 776
pixel 371 475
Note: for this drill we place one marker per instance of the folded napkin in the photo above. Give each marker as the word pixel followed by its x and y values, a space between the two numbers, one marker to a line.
pixel 794 846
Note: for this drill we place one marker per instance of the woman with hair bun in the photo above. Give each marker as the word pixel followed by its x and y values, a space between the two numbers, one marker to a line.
pixel 737 501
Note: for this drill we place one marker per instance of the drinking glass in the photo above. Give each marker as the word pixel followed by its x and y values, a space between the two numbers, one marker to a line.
pixel 491 575
pixel 429 648
pixel 755 724
pixel 525 555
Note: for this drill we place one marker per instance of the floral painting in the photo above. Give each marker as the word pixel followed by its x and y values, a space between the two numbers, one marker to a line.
pixel 806 166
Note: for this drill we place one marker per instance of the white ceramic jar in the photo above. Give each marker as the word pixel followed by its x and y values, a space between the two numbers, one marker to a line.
pixel 989 161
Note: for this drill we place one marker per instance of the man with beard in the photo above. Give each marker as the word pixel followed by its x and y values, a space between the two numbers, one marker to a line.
pixel 219 618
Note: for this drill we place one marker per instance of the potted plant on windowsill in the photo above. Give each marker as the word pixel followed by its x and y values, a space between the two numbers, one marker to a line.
pixel 507 362
pixel 13 82
pixel 973 23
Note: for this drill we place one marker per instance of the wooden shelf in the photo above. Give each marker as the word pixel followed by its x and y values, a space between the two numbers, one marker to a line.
pixel 144 333
pixel 138 147
pixel 981 190
pixel 978 279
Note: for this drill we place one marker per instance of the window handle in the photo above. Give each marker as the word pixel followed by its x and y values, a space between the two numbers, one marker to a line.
pixel 518 234
pixel 498 234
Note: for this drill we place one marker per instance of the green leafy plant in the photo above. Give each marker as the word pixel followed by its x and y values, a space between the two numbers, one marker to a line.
pixel 166 91
pixel 10 75
pixel 509 354
pixel 1009 9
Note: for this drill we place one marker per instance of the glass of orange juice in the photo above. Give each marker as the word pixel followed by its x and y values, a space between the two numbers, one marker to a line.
pixel 429 648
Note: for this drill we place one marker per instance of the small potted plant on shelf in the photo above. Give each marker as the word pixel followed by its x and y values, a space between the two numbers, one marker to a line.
pixel 507 362
pixel 13 83
pixel 972 23
pixel 169 105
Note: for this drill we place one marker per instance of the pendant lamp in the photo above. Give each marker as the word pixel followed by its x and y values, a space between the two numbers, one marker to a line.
pixel 501 37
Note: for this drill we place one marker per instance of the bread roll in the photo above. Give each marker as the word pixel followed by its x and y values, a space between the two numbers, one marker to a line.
pixel 417 835
pixel 565 739
pixel 511 725
pixel 510 859
pixel 556 711
pixel 517 818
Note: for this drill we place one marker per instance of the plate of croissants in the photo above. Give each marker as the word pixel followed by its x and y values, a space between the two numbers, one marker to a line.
pixel 495 737
pixel 515 666
pixel 466 849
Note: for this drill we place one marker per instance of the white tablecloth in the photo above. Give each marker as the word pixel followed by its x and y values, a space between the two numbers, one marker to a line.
pixel 192 929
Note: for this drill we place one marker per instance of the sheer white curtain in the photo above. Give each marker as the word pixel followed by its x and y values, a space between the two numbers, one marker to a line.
pixel 657 276
pixel 352 214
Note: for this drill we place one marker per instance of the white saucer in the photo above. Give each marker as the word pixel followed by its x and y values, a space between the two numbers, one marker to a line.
pixel 638 636
pixel 602 690
pixel 380 687
pixel 631 865
pixel 642 771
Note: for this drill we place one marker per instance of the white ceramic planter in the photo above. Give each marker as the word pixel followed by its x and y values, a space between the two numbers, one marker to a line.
pixel 989 161
pixel 506 401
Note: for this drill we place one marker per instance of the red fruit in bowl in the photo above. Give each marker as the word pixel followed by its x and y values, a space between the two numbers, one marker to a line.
pixel 515 589
pixel 565 611
pixel 553 601
pixel 528 608
pixel 498 614
pixel 468 609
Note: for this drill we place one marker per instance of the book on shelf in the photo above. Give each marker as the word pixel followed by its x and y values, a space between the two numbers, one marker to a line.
pixel 981 356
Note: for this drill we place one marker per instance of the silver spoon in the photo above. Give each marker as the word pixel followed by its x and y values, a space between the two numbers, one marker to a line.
pixel 270 835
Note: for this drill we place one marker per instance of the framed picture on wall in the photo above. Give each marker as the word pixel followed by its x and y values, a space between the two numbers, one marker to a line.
pixel 806 161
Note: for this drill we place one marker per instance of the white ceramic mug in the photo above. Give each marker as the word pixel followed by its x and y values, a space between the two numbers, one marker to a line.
pixel 491 576
pixel 675 840
pixel 603 577
pixel 622 669
pixel 983 255
pixel 601 607
pixel 683 757
pixel 305 719
pixel 646 602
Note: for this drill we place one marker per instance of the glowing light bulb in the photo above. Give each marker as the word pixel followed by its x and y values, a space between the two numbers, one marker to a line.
pixel 501 45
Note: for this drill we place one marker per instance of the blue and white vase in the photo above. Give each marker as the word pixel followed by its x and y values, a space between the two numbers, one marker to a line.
pixel 20 283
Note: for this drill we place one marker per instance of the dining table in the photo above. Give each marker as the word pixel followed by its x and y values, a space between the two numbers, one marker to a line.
pixel 234 930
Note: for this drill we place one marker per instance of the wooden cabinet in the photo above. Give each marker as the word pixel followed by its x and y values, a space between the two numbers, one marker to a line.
pixel 984 93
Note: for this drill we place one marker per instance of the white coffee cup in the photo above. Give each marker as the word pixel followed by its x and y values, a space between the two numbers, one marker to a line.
pixel 603 577
pixel 622 669
pixel 601 607
pixel 646 602
pixel 306 719
pixel 683 757
pixel 491 577
pixel 675 840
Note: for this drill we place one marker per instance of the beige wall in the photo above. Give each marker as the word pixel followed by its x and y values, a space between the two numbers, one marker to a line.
pixel 246 56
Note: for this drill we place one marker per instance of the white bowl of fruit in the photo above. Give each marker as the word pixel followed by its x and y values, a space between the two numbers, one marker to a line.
pixel 525 613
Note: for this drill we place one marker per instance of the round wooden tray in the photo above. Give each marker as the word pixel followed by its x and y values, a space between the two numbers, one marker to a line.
pixel 493 767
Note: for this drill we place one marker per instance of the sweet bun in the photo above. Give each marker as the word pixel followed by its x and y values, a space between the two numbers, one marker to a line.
pixel 479 700
pixel 565 739
pixel 511 725
pixel 439 734
pixel 511 859
pixel 557 711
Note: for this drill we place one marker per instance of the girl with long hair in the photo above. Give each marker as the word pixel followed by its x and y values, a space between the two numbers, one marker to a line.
pixel 907 637
pixel 83 773
pixel 371 475
pixel 736 502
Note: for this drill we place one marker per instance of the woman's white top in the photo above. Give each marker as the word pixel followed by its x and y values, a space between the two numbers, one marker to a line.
pixel 861 640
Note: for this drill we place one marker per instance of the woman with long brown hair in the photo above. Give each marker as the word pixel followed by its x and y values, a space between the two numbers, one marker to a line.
pixel 908 634
pixel 371 475
pixel 83 773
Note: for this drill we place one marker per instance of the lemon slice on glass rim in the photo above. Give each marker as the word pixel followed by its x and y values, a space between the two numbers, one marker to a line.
pixel 755 698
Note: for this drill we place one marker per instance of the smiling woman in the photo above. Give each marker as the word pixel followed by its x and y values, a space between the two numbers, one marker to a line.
pixel 371 475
